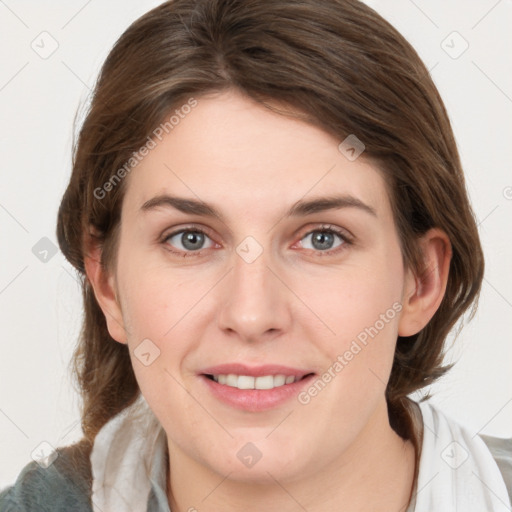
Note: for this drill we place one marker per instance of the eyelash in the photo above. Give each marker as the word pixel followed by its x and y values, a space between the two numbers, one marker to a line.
pixel 347 241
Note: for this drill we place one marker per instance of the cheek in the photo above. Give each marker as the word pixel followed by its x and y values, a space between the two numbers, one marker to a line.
pixel 361 306
pixel 155 297
pixel 357 365
pixel 349 299
pixel 158 310
pixel 164 310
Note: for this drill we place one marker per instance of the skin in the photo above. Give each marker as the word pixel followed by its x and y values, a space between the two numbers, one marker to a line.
pixel 294 305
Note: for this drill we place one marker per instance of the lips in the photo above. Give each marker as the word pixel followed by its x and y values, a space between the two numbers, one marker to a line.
pixel 255 371
pixel 254 388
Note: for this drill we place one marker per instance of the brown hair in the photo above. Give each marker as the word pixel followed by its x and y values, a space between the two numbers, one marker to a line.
pixel 345 69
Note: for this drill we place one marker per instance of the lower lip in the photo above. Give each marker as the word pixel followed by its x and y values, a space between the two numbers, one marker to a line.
pixel 255 400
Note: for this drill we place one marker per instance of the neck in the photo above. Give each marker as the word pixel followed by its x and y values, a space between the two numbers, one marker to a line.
pixel 376 473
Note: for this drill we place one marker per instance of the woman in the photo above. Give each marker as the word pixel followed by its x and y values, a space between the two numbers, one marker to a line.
pixel 269 212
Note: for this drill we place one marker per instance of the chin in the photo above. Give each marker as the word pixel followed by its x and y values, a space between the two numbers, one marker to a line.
pixel 252 465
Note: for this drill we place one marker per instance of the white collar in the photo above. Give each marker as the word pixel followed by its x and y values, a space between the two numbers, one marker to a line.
pixel 128 462
pixel 457 471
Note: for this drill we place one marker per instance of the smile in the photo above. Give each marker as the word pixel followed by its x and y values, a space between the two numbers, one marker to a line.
pixel 250 382
pixel 255 388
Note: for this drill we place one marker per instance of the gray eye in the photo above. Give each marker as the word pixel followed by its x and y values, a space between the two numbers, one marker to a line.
pixel 190 240
pixel 322 240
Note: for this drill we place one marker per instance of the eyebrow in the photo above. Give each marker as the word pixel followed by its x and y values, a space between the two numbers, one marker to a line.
pixel 299 209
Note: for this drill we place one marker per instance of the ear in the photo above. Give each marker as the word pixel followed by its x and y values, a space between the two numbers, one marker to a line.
pixel 423 293
pixel 104 287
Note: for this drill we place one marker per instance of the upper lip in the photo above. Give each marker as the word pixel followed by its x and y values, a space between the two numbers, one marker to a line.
pixel 254 371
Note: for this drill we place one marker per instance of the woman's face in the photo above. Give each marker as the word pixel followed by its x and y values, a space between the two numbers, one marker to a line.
pixel 258 290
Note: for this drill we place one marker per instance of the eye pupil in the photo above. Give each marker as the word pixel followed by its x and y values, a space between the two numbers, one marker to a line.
pixel 192 240
pixel 324 240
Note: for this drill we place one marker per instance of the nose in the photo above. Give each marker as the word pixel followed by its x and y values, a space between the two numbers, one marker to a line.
pixel 255 300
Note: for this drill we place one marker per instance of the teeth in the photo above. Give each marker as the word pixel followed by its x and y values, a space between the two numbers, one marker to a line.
pixel 245 382
pixel 232 380
pixel 248 382
pixel 279 380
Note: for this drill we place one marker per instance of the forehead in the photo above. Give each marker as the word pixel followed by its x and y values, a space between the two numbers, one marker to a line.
pixel 235 153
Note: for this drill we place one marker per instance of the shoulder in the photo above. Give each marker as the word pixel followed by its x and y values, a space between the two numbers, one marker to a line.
pixel 65 485
pixel 501 450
